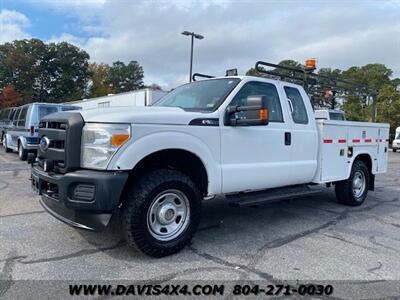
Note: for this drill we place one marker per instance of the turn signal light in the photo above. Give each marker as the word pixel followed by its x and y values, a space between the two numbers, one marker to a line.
pixel 263 114
pixel 119 139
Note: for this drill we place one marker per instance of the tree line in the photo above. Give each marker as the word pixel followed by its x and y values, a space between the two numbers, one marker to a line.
pixel 357 108
pixel 33 71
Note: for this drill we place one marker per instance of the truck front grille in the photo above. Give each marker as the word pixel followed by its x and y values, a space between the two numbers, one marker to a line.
pixel 64 131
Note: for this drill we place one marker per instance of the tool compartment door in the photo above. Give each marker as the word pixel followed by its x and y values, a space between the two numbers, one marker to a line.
pixel 383 147
pixel 333 152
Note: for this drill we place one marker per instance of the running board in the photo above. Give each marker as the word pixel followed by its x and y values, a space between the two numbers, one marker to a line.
pixel 271 195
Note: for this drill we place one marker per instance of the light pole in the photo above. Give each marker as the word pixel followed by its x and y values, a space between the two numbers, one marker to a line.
pixel 193 36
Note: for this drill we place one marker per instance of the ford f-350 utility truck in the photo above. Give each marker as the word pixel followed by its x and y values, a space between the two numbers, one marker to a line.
pixel 249 138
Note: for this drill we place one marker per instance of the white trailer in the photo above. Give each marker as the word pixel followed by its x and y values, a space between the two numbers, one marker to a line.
pixel 143 97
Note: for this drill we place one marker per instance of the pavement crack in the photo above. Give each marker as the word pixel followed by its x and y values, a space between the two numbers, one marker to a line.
pixel 293 237
pixel 372 270
pixel 6 273
pixel 383 221
pixel 372 239
pixel 220 261
pixel 80 253
pixel 337 237
pixel 23 214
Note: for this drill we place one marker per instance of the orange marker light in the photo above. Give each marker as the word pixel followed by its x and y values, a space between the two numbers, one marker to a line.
pixel 263 114
pixel 119 139
pixel 311 64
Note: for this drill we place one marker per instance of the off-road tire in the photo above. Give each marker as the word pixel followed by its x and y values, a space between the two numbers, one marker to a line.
pixel 22 152
pixel 136 204
pixel 344 189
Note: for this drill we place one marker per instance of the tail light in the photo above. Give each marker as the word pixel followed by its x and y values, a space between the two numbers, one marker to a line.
pixel 32 130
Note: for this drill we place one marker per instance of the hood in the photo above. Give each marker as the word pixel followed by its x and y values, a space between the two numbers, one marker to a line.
pixel 140 115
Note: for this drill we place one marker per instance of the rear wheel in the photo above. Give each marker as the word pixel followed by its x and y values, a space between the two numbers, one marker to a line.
pixel 161 212
pixel 22 152
pixel 354 190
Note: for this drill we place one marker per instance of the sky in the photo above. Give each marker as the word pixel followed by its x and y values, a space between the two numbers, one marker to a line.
pixel 339 34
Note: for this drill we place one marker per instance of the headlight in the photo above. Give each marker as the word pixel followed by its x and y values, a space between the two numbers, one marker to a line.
pixel 100 142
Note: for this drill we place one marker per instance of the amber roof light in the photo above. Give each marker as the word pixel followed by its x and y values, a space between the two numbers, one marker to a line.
pixel 310 64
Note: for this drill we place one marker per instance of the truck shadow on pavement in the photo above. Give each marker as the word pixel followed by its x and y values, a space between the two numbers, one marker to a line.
pixel 248 232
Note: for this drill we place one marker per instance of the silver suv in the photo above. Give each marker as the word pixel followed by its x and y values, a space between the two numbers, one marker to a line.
pixel 22 135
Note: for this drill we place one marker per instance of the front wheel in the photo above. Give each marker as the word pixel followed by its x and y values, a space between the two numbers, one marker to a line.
pixel 394 150
pixel 22 152
pixel 354 190
pixel 161 212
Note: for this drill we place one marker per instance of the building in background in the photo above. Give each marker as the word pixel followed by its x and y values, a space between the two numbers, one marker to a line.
pixel 143 97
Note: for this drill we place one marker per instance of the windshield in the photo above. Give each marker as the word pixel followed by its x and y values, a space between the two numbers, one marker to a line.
pixel 204 95
pixel 398 136
pixel 46 110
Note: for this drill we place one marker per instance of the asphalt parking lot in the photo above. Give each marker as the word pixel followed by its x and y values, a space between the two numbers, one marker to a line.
pixel 312 238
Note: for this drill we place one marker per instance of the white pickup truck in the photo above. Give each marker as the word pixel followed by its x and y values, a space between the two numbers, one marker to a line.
pixel 251 139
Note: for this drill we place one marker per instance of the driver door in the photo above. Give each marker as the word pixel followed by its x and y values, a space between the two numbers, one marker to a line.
pixel 256 157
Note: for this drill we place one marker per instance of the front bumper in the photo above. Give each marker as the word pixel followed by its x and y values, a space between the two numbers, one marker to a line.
pixel 32 146
pixel 31 143
pixel 84 199
pixel 396 146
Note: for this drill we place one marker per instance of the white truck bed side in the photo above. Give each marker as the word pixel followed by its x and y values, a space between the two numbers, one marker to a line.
pixel 336 138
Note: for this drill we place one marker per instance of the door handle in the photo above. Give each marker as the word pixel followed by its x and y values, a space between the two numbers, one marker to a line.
pixel 288 138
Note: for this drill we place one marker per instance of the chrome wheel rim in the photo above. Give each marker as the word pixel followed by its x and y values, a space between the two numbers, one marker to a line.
pixel 169 215
pixel 359 184
pixel 20 151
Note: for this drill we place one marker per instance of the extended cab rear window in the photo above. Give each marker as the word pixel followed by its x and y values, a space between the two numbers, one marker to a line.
pixel 299 113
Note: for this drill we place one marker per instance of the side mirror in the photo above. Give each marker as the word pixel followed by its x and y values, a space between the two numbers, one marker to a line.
pixel 253 113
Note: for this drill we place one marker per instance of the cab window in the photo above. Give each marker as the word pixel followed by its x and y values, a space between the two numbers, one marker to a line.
pixel 299 113
pixel 22 117
pixel 15 118
pixel 261 89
